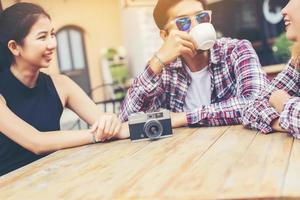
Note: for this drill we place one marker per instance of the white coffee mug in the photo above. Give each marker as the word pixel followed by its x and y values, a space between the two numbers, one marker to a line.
pixel 204 35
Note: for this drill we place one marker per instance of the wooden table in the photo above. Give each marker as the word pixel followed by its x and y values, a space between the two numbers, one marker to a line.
pixel 219 162
pixel 273 70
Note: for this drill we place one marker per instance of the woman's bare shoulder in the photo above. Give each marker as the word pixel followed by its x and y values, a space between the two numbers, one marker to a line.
pixel 60 79
pixel 2 100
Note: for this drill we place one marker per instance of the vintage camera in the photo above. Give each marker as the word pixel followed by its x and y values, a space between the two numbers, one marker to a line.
pixel 150 126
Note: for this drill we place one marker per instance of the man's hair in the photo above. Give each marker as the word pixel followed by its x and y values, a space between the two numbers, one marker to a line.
pixel 161 9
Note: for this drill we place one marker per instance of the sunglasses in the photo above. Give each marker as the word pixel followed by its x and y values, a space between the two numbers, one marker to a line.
pixel 184 23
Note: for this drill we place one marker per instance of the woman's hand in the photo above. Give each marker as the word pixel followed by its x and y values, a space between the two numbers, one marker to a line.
pixel 106 127
pixel 278 99
pixel 124 132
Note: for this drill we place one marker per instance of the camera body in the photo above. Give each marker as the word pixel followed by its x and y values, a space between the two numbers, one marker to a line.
pixel 150 126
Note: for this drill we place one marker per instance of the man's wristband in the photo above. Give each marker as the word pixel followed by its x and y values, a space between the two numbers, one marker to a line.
pixel 159 60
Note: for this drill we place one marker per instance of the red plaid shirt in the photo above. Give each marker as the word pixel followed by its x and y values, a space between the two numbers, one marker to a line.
pixel 236 78
pixel 259 114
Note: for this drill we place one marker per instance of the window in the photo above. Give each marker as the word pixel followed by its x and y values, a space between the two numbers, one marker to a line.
pixel 72 57
pixel 70 49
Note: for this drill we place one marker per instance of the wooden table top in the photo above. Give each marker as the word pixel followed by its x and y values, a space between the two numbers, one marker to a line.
pixel 219 162
pixel 274 68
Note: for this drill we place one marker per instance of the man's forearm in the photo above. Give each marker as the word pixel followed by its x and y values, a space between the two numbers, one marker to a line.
pixel 179 119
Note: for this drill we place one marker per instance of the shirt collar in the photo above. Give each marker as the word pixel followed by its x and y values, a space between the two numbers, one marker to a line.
pixel 215 54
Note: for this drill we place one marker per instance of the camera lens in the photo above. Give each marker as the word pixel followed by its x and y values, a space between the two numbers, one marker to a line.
pixel 153 129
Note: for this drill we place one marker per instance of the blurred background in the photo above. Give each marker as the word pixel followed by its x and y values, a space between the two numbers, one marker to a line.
pixel 103 44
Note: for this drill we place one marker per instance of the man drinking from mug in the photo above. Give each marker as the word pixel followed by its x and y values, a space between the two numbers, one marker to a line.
pixel 202 80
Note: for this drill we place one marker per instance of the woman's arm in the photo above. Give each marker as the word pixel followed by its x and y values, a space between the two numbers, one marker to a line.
pixel 35 141
pixel 260 114
pixel 74 98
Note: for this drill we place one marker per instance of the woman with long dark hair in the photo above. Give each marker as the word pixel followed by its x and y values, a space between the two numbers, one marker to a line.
pixel 32 102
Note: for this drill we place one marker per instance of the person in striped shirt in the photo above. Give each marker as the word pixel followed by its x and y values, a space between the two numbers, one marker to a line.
pixel 200 86
pixel 278 107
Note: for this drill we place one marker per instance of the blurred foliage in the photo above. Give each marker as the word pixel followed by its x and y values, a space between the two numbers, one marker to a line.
pixel 110 54
pixel 118 70
pixel 119 74
pixel 281 49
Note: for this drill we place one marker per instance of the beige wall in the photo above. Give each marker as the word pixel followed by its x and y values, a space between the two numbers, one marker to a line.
pixel 101 21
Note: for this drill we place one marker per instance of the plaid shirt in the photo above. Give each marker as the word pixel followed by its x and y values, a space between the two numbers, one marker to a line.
pixel 259 114
pixel 236 78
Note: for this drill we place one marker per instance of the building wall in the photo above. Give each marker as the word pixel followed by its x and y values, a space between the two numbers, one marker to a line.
pixel 144 41
pixel 100 20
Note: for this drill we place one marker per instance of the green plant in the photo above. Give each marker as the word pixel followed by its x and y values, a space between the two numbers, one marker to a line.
pixel 110 54
pixel 117 66
pixel 119 72
pixel 281 48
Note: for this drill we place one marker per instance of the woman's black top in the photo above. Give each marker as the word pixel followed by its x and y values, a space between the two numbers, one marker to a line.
pixel 39 106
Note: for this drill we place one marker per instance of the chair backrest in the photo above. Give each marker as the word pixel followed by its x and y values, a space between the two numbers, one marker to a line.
pixel 114 95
